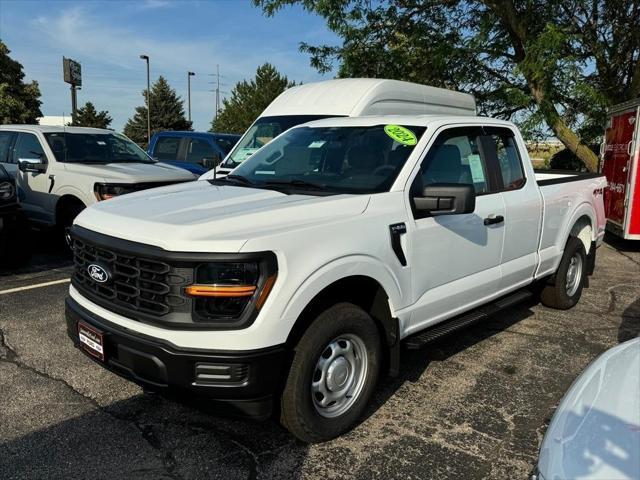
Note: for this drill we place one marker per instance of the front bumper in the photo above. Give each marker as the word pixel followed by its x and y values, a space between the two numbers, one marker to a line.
pixel 244 381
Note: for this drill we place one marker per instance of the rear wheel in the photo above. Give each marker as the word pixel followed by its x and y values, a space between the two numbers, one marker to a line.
pixel 333 374
pixel 564 289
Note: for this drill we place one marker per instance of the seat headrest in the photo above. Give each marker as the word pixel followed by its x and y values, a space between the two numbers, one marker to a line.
pixel 445 165
pixel 364 157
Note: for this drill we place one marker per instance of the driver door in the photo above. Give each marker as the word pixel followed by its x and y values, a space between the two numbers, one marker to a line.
pixel 33 187
pixel 455 259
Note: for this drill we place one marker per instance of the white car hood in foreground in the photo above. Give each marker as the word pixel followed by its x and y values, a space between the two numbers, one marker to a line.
pixel 130 172
pixel 595 433
pixel 199 216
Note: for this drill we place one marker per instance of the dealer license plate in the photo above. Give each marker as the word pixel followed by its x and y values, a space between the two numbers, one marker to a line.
pixel 92 340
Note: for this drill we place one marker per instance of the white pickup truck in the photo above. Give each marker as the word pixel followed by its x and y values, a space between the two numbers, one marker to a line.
pixel 61 170
pixel 293 281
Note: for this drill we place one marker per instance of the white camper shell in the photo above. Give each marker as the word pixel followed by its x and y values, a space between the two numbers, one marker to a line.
pixel 347 97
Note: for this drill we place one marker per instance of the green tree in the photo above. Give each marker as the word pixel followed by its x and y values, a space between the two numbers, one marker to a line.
pixel 248 99
pixel 88 116
pixel 549 65
pixel 167 113
pixel 19 101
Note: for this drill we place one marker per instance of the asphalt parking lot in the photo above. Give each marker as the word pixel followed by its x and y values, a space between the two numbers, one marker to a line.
pixel 472 406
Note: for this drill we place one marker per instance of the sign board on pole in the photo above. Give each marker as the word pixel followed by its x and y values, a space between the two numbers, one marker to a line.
pixel 72 72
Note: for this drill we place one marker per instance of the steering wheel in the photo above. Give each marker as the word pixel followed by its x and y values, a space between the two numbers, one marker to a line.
pixel 383 168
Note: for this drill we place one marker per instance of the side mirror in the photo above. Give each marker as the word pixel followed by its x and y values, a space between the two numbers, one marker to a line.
pixel 210 162
pixel 446 199
pixel 35 165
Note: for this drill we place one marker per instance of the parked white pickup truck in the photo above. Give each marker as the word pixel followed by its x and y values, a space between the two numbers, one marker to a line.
pixel 61 170
pixel 294 280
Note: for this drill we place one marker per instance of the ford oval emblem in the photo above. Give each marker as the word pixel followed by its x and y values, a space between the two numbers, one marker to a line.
pixel 98 274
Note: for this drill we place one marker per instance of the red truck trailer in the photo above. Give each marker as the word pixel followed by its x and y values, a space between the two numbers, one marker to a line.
pixel 619 162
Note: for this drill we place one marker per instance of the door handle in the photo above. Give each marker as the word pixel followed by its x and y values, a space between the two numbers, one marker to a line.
pixel 493 220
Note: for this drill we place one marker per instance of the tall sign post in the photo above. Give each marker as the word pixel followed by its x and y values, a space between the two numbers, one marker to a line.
pixel 72 74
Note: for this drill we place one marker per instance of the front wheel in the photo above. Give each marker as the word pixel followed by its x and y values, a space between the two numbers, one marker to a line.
pixel 68 215
pixel 333 374
pixel 564 289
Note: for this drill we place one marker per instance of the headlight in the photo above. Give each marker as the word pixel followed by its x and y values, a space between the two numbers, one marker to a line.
pixel 224 290
pixel 7 191
pixel 105 191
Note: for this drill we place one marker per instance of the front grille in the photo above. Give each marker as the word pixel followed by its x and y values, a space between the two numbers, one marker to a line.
pixel 139 286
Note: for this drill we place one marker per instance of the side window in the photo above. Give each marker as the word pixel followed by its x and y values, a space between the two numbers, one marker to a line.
pixel 166 148
pixel 6 139
pixel 225 144
pixel 198 149
pixel 28 147
pixel 508 159
pixel 456 157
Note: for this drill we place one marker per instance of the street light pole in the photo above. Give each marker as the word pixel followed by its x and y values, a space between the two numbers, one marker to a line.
pixel 146 58
pixel 189 75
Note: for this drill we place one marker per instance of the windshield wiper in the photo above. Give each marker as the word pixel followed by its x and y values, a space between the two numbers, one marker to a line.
pixel 238 178
pixel 296 183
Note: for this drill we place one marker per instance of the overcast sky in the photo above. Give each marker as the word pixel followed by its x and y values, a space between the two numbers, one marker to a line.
pixel 107 38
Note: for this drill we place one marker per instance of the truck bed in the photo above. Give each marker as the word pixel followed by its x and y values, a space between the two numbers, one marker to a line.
pixel 564 194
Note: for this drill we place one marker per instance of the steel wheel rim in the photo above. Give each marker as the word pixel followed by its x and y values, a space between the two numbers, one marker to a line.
pixel 574 274
pixel 339 375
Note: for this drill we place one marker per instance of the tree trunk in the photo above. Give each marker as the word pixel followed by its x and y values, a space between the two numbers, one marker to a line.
pixel 506 10
pixel 561 130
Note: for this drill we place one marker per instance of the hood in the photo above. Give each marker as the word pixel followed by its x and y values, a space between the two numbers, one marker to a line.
pixel 199 216
pixel 595 433
pixel 130 172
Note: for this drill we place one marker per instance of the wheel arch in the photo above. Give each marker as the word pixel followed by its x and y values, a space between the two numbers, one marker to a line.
pixel 581 226
pixel 64 202
pixel 364 291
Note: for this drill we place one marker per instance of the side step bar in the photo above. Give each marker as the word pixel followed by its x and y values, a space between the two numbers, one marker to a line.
pixel 428 335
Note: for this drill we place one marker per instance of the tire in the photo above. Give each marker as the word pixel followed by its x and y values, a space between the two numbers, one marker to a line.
pixel 69 213
pixel 563 290
pixel 341 329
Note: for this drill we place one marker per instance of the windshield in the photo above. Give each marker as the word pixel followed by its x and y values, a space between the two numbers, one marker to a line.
pixel 331 159
pixel 262 132
pixel 95 148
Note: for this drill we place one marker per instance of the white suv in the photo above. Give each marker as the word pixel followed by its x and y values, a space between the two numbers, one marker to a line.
pixel 61 170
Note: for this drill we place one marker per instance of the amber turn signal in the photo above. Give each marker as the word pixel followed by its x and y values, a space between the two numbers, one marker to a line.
pixel 268 285
pixel 220 290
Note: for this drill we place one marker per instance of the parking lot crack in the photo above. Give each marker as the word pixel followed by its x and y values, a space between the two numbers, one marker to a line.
pixel 9 355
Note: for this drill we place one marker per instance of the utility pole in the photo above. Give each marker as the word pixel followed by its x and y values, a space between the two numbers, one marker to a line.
pixel 146 59
pixel 189 75
pixel 217 91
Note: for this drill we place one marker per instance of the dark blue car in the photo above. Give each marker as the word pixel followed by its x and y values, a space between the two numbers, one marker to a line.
pixel 197 152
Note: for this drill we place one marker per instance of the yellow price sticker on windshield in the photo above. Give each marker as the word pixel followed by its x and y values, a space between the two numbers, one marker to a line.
pixel 401 134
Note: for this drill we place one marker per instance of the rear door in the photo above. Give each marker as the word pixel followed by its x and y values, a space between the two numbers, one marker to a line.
pixel 523 208
pixel 617 165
